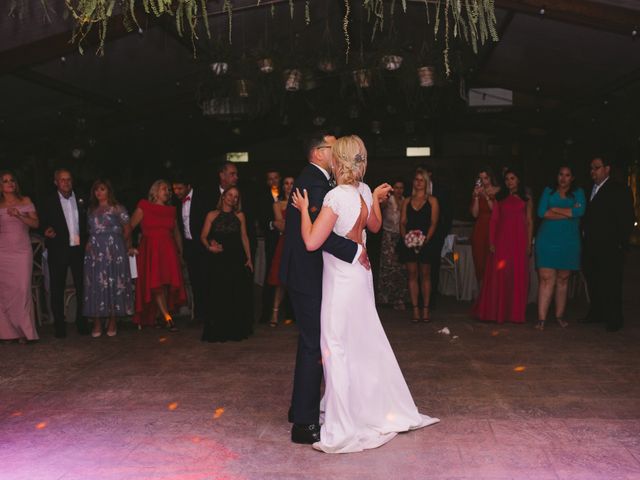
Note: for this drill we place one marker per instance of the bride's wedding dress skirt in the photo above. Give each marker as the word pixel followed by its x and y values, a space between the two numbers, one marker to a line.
pixel 366 401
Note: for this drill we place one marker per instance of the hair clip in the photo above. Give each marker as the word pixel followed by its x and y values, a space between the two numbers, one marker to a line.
pixel 358 158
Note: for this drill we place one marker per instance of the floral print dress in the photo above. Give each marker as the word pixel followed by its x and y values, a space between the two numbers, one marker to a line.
pixel 107 275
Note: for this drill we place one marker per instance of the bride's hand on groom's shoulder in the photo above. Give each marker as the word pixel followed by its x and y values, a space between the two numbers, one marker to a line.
pixel 300 200
pixel 382 192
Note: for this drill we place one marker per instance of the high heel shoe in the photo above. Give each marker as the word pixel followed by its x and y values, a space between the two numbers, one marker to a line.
pixel 416 314
pixel 170 325
pixel 425 315
pixel 274 318
pixel 540 325
pixel 561 321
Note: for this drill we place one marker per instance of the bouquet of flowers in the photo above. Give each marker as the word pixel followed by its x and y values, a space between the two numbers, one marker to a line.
pixel 414 239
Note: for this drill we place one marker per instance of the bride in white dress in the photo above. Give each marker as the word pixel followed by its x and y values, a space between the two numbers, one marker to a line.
pixel 366 400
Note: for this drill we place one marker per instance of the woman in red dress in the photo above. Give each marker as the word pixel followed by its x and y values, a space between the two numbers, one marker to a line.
pixel 503 295
pixel 159 286
pixel 279 210
pixel 483 198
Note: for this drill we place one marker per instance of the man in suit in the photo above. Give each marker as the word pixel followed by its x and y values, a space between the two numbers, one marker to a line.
pixel 606 227
pixel 443 194
pixel 269 196
pixel 63 220
pixel 301 273
pixel 227 177
pixel 192 208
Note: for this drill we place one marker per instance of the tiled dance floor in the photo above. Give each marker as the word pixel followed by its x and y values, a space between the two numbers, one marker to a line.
pixel 515 404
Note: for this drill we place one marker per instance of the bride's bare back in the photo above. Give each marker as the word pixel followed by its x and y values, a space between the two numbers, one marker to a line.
pixel 356 232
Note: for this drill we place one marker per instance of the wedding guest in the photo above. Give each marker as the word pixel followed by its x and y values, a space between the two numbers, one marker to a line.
pixel 269 197
pixel 392 279
pixel 273 278
pixel 503 294
pixel 420 212
pixel 442 193
pixel 192 206
pixel 107 276
pixel 227 177
pixel 17 216
pixel 558 243
pixel 482 200
pixel 159 286
pixel 63 221
pixel 224 234
pixel 607 226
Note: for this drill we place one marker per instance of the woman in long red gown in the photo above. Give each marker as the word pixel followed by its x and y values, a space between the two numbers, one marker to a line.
pixel 503 295
pixel 159 286
pixel 482 200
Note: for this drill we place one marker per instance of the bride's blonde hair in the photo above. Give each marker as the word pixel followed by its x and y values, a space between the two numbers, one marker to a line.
pixel 350 157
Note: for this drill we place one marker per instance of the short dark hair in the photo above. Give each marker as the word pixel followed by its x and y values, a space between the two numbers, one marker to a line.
pixel 606 159
pixel 181 179
pixel 223 166
pixel 314 140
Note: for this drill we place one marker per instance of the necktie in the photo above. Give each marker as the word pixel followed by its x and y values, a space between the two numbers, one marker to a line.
pixel 594 190
pixel 186 199
pixel 332 182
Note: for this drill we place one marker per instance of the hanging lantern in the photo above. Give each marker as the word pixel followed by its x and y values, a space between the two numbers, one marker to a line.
pixel 242 87
pixel 265 65
pixel 219 68
pixel 362 77
pixel 376 127
pixel 327 65
pixel 425 76
pixel 292 80
pixel 391 62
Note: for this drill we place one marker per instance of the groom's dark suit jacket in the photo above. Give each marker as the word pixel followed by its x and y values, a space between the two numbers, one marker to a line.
pixel 301 270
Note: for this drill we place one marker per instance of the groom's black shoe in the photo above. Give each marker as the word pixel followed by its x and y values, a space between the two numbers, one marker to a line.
pixel 305 434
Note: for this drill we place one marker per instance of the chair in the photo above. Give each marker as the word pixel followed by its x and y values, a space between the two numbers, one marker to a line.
pixel 37 278
pixel 449 262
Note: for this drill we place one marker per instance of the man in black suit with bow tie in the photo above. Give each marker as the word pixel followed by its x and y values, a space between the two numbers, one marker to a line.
pixel 606 226
pixel 63 220
pixel 301 273
pixel 192 207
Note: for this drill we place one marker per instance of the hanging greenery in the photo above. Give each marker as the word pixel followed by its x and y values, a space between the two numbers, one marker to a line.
pixel 472 21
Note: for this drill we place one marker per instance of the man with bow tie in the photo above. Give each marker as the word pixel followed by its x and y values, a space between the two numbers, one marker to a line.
pixel 63 220
pixel 606 226
pixel 192 207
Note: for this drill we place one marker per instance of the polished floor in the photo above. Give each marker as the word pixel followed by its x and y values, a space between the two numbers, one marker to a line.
pixel 515 403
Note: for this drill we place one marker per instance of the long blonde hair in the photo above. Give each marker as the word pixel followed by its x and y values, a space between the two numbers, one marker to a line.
pixel 155 186
pixel 350 157
pixel 427 181
pixel 238 207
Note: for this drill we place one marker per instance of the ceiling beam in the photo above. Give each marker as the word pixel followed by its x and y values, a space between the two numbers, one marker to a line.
pixel 586 13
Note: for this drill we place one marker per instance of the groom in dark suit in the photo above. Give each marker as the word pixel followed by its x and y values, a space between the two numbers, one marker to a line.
pixel 301 272
pixel 63 220
pixel 606 226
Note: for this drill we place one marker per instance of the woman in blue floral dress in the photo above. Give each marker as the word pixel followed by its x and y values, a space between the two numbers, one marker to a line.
pixel 107 278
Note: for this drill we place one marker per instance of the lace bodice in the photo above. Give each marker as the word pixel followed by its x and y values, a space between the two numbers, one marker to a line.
pixel 344 200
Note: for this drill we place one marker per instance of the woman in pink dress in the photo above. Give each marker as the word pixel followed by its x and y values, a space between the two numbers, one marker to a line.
pixel 17 216
pixel 503 295
pixel 159 286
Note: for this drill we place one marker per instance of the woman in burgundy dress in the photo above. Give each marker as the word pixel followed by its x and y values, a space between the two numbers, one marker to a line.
pixel 483 198
pixel 503 295
pixel 279 209
pixel 159 286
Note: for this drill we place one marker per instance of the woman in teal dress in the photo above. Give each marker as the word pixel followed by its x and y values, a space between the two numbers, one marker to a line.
pixel 558 243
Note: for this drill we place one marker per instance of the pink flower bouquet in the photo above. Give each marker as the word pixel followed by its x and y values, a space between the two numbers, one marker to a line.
pixel 414 239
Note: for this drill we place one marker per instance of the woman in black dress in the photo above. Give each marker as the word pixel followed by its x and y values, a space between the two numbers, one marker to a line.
pixel 419 212
pixel 230 306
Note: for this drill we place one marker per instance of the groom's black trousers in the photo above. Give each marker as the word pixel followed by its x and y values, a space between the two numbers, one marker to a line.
pixel 305 400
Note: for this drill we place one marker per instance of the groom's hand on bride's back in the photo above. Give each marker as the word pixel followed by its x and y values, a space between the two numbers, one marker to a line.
pixel 364 259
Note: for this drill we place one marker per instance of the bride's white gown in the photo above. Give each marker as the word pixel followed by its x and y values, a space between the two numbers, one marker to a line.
pixel 366 400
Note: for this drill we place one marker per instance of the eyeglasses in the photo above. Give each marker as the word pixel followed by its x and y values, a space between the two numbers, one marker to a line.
pixel 323 146
pixel 594 168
